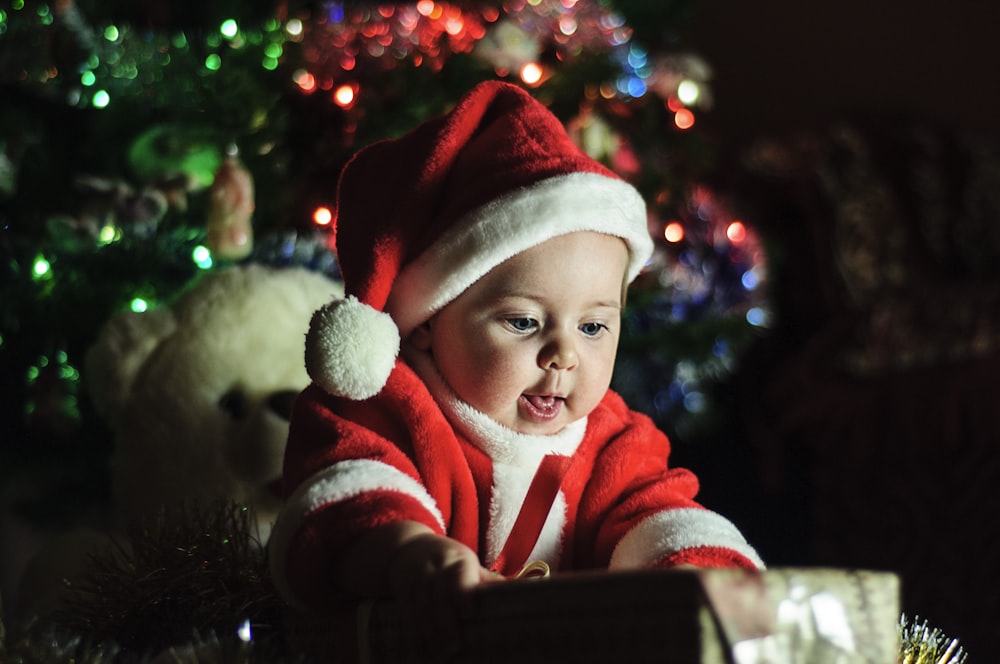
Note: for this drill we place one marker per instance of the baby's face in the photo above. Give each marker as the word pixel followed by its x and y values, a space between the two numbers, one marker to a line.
pixel 532 344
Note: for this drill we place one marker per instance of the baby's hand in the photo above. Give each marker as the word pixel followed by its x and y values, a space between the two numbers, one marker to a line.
pixel 430 575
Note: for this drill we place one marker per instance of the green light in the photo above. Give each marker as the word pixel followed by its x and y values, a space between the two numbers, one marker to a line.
pixel 138 305
pixel 108 234
pixel 41 269
pixel 87 78
pixel 43 10
pixel 202 257
pixel 33 373
pixel 111 33
pixel 273 50
pixel 101 99
pixel 269 63
pixel 17 4
pixel 213 62
pixel 228 29
pixel 179 40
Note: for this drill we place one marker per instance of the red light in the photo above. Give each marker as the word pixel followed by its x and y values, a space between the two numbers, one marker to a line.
pixel 531 73
pixel 305 81
pixel 736 232
pixel 322 216
pixel 674 232
pixel 344 96
pixel 684 119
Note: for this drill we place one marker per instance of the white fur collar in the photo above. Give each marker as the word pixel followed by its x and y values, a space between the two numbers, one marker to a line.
pixel 500 443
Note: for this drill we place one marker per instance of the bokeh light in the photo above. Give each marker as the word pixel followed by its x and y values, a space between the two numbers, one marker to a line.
pixel 322 216
pixel 202 257
pixel 229 28
pixel 736 232
pixel 684 119
pixel 344 96
pixel 674 232
pixel 531 73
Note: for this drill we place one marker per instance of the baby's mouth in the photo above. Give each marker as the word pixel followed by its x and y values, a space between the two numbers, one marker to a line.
pixel 542 408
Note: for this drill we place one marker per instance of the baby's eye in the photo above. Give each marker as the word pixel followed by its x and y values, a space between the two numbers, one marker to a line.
pixel 593 329
pixel 522 324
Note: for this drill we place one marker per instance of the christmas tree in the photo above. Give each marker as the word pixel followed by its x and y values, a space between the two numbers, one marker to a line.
pixel 144 143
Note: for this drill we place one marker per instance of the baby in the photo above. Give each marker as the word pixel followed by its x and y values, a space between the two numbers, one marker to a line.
pixel 460 423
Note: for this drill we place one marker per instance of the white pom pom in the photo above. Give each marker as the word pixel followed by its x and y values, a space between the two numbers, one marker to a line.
pixel 351 348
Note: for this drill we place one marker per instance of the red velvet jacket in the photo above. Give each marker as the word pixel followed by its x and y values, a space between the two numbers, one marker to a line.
pixel 353 465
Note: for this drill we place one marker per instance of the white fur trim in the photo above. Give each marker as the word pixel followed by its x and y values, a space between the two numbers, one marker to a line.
pixel 515 456
pixel 502 444
pixel 336 483
pixel 351 348
pixel 510 224
pixel 670 531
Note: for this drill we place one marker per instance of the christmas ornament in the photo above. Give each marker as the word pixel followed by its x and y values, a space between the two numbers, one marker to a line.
pixel 508 47
pixel 231 205
pixel 166 151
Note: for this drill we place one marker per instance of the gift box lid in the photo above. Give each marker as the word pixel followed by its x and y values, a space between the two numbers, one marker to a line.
pixel 815 615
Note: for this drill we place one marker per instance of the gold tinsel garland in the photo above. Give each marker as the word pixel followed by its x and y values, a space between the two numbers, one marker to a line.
pixel 922 644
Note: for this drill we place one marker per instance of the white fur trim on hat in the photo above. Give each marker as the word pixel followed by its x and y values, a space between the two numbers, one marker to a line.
pixel 515 222
pixel 351 348
pixel 667 532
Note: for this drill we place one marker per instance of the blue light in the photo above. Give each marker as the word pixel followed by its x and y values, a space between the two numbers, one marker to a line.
pixel 694 402
pixel 335 12
pixel 757 317
pixel 750 280
pixel 636 86
pixel 636 56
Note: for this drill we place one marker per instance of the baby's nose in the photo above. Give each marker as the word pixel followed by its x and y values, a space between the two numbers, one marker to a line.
pixel 559 354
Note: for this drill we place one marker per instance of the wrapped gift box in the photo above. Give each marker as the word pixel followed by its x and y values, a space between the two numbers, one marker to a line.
pixel 782 616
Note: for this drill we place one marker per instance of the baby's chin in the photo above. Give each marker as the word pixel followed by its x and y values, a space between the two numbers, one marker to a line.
pixel 532 429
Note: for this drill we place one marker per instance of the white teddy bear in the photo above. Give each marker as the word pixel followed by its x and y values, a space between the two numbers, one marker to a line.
pixel 198 393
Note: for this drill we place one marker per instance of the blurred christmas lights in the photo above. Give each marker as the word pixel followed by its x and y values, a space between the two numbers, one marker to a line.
pixel 322 216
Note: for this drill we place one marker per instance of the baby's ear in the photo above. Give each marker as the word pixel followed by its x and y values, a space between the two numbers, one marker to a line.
pixel 420 337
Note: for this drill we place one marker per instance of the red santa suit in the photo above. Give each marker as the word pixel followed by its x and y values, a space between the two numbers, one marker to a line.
pixel 377 439
pixel 355 465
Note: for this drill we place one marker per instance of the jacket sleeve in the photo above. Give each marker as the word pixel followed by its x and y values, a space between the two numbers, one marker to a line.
pixel 348 468
pixel 644 512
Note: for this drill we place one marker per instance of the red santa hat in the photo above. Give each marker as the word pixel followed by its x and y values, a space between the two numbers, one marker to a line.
pixel 423 217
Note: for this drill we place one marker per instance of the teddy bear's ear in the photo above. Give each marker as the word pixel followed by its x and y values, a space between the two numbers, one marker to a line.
pixel 124 343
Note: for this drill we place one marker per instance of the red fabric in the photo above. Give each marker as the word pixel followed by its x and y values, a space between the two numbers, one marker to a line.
pixel 530 520
pixel 619 476
pixel 497 139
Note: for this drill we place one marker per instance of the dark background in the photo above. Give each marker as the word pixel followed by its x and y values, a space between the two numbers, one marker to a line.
pixel 884 238
pixel 781 63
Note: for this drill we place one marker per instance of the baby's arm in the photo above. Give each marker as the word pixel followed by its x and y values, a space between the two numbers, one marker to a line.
pixel 427 573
